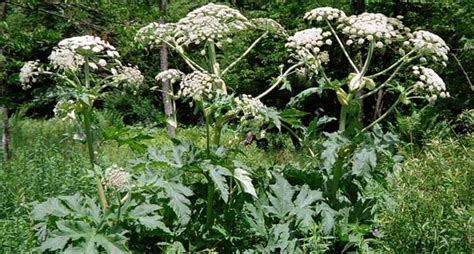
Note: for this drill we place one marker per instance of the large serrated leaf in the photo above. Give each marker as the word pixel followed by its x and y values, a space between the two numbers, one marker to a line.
pixel 178 199
pixel 363 161
pixel 218 174
pixel 52 206
pixel 303 210
pixel 245 181
pixel 154 222
pixel 110 245
pixel 332 145
pixel 280 197
pixel 54 243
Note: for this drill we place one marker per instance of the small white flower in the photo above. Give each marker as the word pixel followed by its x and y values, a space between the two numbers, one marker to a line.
pixel 93 66
pixel 171 74
pixel 28 74
pixel 102 62
pixel 323 13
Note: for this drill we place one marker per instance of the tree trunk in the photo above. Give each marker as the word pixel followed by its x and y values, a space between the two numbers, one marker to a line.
pixel 167 86
pixel 6 135
pixel 6 130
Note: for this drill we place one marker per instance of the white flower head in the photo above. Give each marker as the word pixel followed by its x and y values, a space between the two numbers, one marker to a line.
pixel 306 45
pixel 430 44
pixel 28 74
pixel 117 178
pixel 270 25
pixel 325 13
pixel 130 76
pixel 368 27
pixel 251 107
pixel 429 83
pixel 211 22
pixel 171 75
pixel 199 85
pixel 155 33
pixel 70 52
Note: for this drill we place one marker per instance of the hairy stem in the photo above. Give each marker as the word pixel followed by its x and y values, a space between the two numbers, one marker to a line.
pixel 343 113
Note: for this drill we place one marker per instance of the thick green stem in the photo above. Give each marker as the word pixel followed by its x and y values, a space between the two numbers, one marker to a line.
pixel 336 178
pixel 211 191
pixel 87 107
pixel 404 58
pixel 383 84
pixel 343 113
pixel 211 52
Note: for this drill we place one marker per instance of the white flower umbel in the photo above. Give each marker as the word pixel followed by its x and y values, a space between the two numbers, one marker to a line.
pixel 429 83
pixel 211 22
pixel 306 45
pixel 368 27
pixel 130 76
pixel 199 85
pixel 430 44
pixel 70 52
pixel 270 25
pixel 171 75
pixel 251 107
pixel 154 34
pixel 28 74
pixel 117 178
pixel 325 13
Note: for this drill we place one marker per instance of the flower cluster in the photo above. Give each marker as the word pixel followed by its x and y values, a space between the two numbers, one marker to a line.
pixel 325 13
pixel 70 52
pixel 368 27
pixel 171 75
pixel 65 109
pixel 154 33
pixel 306 44
pixel 270 25
pixel 429 43
pixel 198 85
pixel 210 22
pixel 251 107
pixel 430 82
pixel 117 178
pixel 128 75
pixel 28 74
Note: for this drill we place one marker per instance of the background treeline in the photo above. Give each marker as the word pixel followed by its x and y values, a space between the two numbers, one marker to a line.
pixel 29 29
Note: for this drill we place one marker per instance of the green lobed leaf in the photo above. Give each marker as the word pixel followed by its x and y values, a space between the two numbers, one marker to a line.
pixel 245 181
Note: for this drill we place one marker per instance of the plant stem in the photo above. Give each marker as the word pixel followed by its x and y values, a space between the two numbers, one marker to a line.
pixel 87 107
pixel 391 66
pixel 342 47
pixel 245 53
pixel 210 203
pixel 383 84
pixel 336 178
pixel 382 116
pixel 343 113
pixel 279 80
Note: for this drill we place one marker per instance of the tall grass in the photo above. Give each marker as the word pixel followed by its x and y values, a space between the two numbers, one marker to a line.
pixel 431 210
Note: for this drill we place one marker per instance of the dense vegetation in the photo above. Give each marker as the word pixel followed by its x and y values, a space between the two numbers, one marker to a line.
pixel 246 126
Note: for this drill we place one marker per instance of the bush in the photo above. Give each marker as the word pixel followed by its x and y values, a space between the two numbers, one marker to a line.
pixel 431 210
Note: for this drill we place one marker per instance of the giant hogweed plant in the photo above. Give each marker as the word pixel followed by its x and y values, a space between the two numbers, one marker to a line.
pixel 182 195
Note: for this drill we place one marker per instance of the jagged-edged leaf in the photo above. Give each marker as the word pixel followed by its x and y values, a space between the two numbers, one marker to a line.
pixel 331 147
pixel 178 199
pixel 363 161
pixel 328 217
pixel 280 239
pixel 54 243
pixel 280 197
pixel 245 181
pixel 218 174
pixel 175 248
pixel 75 229
pixel 52 206
pixel 273 116
pixel 143 210
pixel 303 210
pixel 292 116
pixel 111 246
pixel 305 94
pixel 153 222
